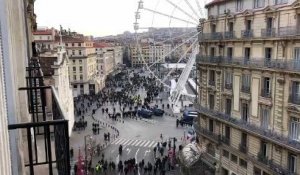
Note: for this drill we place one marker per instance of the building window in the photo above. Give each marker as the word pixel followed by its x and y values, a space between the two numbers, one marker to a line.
pixel 239 5
pixel 74 69
pixel 79 52
pixel 66 44
pixel 228 80
pixel 224 171
pixel 230 51
pixel 73 52
pixel 265 117
pixel 81 77
pixel 228 106
pixel 74 61
pixel 245 112
pixel 266 91
pixel 226 154
pixel 281 2
pixel 233 158
pixel 211 125
pixel 243 163
pixel 73 44
pixel 295 129
pixel 264 149
pixel 295 94
pixel 211 101
pixel 74 77
pixel 80 61
pixel 292 163
pixel 75 86
pixel 259 3
pixel 245 83
pixel 79 44
pixel 81 86
pixel 80 68
pixel 212 77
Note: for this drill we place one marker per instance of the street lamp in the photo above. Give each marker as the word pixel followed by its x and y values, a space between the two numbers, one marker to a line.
pixel 85 161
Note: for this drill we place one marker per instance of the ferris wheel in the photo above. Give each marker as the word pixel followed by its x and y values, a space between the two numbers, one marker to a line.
pixel 169 29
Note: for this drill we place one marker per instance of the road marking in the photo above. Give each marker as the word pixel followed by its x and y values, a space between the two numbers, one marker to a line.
pixel 135 142
pixel 117 159
pixel 128 151
pixel 138 143
pixel 146 152
pixel 125 143
pixel 145 145
pixel 151 144
pixel 142 143
pixel 136 153
pixel 131 141
pixel 115 141
pixel 121 140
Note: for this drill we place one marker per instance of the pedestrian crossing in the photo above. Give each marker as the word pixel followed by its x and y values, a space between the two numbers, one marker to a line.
pixel 133 142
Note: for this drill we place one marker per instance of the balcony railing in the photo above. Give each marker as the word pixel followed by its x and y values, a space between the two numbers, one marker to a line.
pixel 203 131
pixel 243 148
pixel 268 32
pixel 251 128
pixel 295 99
pixel 279 64
pixel 225 140
pixel 229 35
pixel 211 36
pixel 266 93
pixel 228 85
pixel 212 82
pixel 47 136
pixel 288 31
pixel 263 159
pixel 245 89
pixel 247 33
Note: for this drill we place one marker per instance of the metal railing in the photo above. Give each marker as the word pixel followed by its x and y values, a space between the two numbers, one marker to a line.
pixel 47 127
pixel 229 35
pixel 288 31
pixel 228 85
pixel 225 140
pixel 266 93
pixel 211 36
pixel 247 33
pixel 295 99
pixel 205 132
pixel 250 128
pixel 279 64
pixel 262 158
pixel 243 148
pixel 245 89
pixel 271 32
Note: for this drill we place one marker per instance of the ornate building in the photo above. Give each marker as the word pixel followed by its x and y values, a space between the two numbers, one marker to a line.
pixel 249 94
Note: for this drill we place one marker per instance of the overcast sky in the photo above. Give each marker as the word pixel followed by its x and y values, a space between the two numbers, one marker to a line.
pixel 109 17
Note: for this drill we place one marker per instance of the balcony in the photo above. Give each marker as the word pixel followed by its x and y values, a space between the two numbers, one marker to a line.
pixel 243 148
pixel 229 35
pixel 211 82
pixel 245 89
pixel 206 133
pixel 247 33
pixel 294 99
pixel 225 140
pixel 263 159
pixel 211 36
pixel 228 85
pixel 266 93
pixel 255 130
pixel 288 31
pixel 255 63
pixel 47 148
pixel 271 32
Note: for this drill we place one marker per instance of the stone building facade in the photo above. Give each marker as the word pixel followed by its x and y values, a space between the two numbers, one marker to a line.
pixel 249 94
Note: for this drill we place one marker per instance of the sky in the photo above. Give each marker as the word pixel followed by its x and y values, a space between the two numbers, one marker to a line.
pixel 110 17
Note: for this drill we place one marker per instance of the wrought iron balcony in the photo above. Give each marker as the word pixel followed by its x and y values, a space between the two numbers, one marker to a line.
pixel 212 82
pixel 245 89
pixel 262 158
pixel 255 63
pixel 253 129
pixel 247 33
pixel 243 148
pixel 295 99
pixel 211 36
pixel 268 32
pixel 289 31
pixel 229 35
pixel 266 93
pixel 48 144
pixel 225 140
pixel 228 85
pixel 206 133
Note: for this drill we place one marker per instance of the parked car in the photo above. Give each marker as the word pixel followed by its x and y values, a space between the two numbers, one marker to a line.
pixel 157 112
pixel 145 113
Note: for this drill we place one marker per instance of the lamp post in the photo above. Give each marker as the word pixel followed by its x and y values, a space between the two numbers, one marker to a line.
pixel 85 160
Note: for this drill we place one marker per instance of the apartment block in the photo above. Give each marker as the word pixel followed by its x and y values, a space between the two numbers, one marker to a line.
pixel 248 100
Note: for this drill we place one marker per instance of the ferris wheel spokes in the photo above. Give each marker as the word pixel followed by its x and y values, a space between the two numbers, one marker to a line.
pixel 191 7
pixel 169 53
pixel 166 15
pixel 180 9
pixel 183 56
